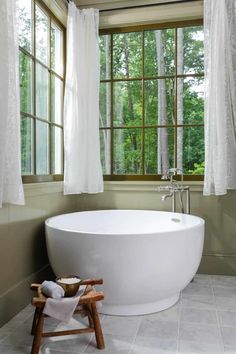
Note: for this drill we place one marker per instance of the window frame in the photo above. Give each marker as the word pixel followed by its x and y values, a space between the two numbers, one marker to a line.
pixel 175 76
pixel 33 178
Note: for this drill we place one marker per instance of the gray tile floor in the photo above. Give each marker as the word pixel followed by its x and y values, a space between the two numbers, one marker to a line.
pixel 204 321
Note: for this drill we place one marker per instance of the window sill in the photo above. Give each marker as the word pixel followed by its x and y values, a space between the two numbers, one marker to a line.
pixel 147 186
pixel 35 189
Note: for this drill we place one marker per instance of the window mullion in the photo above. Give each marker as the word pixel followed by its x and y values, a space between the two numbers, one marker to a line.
pixel 112 111
pixel 34 81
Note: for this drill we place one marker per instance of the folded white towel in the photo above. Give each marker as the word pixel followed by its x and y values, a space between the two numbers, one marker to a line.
pixel 63 309
pixel 52 289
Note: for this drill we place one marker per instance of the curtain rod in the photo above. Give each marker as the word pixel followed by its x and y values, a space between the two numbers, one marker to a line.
pixel 142 6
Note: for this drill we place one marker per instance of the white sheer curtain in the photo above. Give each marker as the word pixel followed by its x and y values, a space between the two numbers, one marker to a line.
pixel 220 96
pixel 83 172
pixel 11 189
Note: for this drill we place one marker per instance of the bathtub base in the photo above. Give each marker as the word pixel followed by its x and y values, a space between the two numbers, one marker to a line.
pixel 140 309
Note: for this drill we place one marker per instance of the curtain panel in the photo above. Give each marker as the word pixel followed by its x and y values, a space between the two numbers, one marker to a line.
pixel 11 189
pixel 220 96
pixel 83 171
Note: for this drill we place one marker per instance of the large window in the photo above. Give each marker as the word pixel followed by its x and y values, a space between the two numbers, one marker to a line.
pixel 41 45
pixel 151 101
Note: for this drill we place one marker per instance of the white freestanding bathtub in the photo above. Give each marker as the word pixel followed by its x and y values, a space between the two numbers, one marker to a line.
pixel 145 257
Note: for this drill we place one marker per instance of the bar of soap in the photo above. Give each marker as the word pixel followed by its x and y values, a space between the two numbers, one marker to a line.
pixel 69 280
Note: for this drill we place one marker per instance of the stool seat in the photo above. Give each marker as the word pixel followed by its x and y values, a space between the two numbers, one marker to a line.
pixel 87 304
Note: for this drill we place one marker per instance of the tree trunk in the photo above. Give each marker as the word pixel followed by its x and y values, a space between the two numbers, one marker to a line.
pixel 162 146
pixel 132 135
pixel 180 67
pixel 107 136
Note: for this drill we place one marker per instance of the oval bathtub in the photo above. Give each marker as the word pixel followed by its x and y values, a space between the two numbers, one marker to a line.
pixel 145 257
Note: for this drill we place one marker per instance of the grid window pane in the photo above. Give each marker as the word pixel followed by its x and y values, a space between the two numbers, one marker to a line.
pixel 105 56
pixel 127 55
pixel 127 147
pixel 191 50
pixel 56 99
pixel 190 100
pixel 25 25
pixel 105 105
pixel 127 109
pixel 42 148
pixel 159 150
pixel 159 98
pixel 41 76
pixel 27 146
pixel 57 155
pixel 159 52
pixel 42 94
pixel 153 102
pixel 42 35
pixel 105 150
pixel 26 83
pixel 191 139
pixel 56 49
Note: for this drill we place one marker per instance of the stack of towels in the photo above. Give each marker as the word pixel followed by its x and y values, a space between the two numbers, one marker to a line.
pixel 57 305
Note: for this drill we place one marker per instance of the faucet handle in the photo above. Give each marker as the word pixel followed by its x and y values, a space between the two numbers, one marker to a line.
pixel 164 188
pixel 165 177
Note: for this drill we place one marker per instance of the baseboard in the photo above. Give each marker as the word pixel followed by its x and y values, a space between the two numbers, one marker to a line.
pixel 17 297
pixel 222 264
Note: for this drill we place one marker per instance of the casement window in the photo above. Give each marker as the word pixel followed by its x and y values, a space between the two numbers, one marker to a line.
pixel 42 68
pixel 152 101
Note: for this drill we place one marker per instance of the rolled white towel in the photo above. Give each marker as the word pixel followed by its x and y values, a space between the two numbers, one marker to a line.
pixel 52 289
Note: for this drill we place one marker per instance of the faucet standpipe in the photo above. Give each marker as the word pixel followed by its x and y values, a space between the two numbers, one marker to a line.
pixel 174 187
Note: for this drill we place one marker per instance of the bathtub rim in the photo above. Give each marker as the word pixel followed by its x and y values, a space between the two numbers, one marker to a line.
pixel 87 233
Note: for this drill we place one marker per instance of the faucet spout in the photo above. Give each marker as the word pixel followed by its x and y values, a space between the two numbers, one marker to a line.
pixel 164 197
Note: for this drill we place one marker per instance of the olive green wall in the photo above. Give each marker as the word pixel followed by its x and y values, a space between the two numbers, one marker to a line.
pixel 219 256
pixel 23 256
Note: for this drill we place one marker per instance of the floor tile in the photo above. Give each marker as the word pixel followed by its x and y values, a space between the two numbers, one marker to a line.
pixel 186 347
pixel 4 333
pixel 192 315
pixel 152 345
pixel 227 318
pixel 171 314
pixel 194 332
pixel 195 289
pixel 220 291
pixel 226 281
pixel 67 344
pixel 199 302
pixel 21 337
pixel 159 329
pixel 53 351
pixel 230 349
pixel 202 279
pixel 194 318
pixel 113 344
pixel 123 326
pixel 225 303
pixel 229 335
pixel 14 349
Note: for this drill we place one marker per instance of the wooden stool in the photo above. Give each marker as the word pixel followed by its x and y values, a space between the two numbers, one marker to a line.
pixel 88 303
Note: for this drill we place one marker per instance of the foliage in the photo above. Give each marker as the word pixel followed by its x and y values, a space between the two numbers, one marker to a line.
pixel 34 90
pixel 131 107
pixel 134 100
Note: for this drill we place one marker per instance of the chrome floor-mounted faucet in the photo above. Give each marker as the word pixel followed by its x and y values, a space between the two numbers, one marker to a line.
pixel 176 188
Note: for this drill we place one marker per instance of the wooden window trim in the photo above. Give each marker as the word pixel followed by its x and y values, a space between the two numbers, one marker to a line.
pixel 142 28
pixel 34 178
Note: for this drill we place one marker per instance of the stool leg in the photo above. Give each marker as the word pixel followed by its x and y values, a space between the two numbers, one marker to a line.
pixel 97 327
pixel 35 320
pixel 38 333
pixel 90 316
